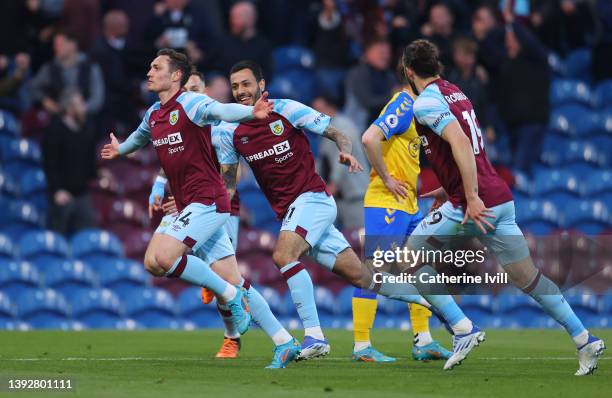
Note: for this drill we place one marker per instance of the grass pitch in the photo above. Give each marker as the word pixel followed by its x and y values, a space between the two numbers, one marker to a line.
pixel 511 363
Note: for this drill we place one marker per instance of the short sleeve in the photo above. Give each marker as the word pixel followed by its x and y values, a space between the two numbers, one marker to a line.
pixel 431 109
pixel 302 116
pixel 397 116
pixel 223 142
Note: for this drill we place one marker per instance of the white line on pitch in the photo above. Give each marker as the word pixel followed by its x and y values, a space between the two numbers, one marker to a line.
pixel 340 359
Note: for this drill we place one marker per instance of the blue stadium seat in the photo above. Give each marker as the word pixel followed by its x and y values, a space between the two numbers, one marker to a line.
pixel 33 187
pixel 71 277
pixel 8 186
pixel 295 84
pixel 574 120
pixel 17 277
pixel 521 308
pixel 92 244
pixel 127 324
pixel 121 272
pixel 189 302
pixel 42 307
pixel 596 183
pixel 344 301
pixel 7 308
pixel 7 248
pixel 288 309
pixel 324 300
pixel 21 156
pixel 97 308
pixel 8 124
pixel 292 57
pixel 552 181
pixel 568 90
pixel 149 301
pixel 21 218
pixel 9 324
pixel 590 217
pixel 57 323
pixel 43 245
pixel 578 63
pixel 537 216
pixel 603 93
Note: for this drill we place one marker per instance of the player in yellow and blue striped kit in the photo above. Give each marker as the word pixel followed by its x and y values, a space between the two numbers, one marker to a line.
pixel 391 213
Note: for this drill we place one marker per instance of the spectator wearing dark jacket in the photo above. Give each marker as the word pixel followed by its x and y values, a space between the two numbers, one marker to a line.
pixel 523 87
pixel 69 161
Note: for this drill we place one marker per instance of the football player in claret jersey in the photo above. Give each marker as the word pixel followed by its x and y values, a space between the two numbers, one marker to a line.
pixel 278 153
pixel 178 125
pixel 391 213
pixel 222 260
pixel 476 201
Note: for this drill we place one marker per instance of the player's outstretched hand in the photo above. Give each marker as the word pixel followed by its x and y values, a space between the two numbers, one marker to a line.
pixel 439 195
pixel 110 151
pixel 397 188
pixel 351 162
pixel 262 107
pixel 170 206
pixel 154 204
pixel 477 212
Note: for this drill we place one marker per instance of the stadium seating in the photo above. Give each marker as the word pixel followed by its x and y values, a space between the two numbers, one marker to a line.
pixel 538 216
pixel 43 308
pixel 291 58
pixel 7 248
pixel 603 93
pixel 42 245
pixel 17 277
pixel 344 301
pixel 118 272
pixel 97 308
pixel 568 91
pixel 71 277
pixel 578 63
pixel 191 308
pixel 591 217
pixel 20 218
pixel 8 125
pixel 576 121
pixel 8 186
pixel 21 156
pixel 33 188
pixel 95 244
pixel 150 306
pixel 7 308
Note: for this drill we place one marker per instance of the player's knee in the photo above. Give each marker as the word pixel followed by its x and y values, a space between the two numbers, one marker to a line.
pixel 164 260
pixel 282 258
pixel 152 267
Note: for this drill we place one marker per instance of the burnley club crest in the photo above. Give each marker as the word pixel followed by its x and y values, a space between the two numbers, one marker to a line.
pixel 174 115
pixel 277 127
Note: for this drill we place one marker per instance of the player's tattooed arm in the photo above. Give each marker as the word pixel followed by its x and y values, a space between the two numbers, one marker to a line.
pixel 341 140
pixel 346 148
pixel 229 172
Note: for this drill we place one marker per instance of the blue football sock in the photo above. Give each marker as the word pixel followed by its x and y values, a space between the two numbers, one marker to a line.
pixel 548 295
pixel 261 313
pixel 437 295
pixel 398 291
pixel 302 293
pixel 195 271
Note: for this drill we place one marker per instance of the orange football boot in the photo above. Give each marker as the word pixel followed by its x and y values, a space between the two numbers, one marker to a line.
pixel 207 296
pixel 229 349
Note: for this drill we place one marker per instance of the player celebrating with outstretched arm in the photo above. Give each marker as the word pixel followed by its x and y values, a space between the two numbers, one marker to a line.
pixel 179 127
pixel 479 201
pixel 279 155
pixel 220 255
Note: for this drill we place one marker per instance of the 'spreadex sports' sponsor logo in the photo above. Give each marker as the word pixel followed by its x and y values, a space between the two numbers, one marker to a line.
pixel 277 149
pixel 171 139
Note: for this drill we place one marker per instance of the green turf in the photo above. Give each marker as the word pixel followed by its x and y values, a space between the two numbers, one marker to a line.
pixel 150 364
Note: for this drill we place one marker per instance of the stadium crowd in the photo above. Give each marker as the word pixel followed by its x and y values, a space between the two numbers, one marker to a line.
pixel 73 70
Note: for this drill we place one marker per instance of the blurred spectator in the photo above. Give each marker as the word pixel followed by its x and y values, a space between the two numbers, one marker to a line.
pixel 12 75
pixel 602 51
pixel 524 85
pixel 369 85
pixel 69 162
pixel 331 49
pixel 111 54
pixel 218 88
pixel 563 25
pixel 82 17
pixel 489 35
pixel 242 42
pixel 348 190
pixel 69 69
pixel 472 79
pixel 439 29
pixel 175 26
